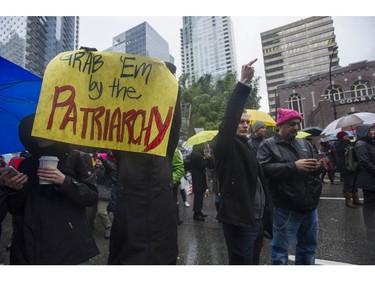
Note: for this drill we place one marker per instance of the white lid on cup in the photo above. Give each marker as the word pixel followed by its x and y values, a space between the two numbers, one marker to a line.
pixel 51 158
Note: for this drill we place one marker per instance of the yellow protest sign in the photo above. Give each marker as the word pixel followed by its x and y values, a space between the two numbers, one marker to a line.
pixel 108 100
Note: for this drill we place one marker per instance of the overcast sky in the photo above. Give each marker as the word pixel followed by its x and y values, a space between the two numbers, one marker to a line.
pixel 354 36
pixel 102 20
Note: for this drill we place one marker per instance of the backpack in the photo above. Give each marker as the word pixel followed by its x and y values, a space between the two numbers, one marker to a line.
pixel 351 161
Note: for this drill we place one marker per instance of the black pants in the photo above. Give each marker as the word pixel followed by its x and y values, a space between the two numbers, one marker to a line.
pixel 369 209
pixel 175 192
pixel 243 243
pixel 198 201
pixel 183 194
pixel 331 175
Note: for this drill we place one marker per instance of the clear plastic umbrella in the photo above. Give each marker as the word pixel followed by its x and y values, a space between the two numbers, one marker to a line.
pixel 349 122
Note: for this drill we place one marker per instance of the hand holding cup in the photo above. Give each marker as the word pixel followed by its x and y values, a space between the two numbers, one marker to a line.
pixel 48 172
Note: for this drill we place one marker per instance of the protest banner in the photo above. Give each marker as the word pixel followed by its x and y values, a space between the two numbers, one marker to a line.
pixel 108 100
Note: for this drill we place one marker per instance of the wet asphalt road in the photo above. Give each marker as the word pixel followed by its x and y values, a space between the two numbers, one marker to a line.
pixel 342 238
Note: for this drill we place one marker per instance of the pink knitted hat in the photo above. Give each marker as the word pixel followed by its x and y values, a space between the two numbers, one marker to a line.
pixel 284 115
pixel 103 155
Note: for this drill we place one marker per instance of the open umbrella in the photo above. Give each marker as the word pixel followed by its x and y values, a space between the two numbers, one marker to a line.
pixel 302 135
pixel 314 131
pixel 201 137
pixel 329 138
pixel 330 129
pixel 262 116
pixel 349 122
pixel 19 94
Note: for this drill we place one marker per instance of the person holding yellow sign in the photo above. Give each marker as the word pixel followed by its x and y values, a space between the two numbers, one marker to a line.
pixel 129 104
pixel 144 229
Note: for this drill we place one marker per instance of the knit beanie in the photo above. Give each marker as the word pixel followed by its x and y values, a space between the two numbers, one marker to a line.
pixel 103 155
pixel 257 125
pixel 340 135
pixel 284 115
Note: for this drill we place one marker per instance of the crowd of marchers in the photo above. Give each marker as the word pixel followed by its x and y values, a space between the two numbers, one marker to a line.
pixel 263 186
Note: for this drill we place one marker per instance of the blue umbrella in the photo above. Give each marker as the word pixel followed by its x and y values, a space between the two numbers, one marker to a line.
pixel 19 94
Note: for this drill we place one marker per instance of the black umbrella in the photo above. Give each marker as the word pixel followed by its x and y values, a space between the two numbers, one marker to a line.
pixel 314 131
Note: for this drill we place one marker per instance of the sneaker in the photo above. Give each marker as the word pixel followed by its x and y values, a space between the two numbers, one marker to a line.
pixel 186 204
pixel 107 233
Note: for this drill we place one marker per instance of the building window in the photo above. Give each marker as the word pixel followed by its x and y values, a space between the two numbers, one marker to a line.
pixel 295 102
pixel 361 88
pixel 337 91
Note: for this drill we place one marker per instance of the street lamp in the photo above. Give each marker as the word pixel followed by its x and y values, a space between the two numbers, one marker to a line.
pixel 330 82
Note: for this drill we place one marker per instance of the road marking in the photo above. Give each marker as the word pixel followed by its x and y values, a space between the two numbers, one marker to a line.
pixel 336 198
pixel 322 262
pixel 333 198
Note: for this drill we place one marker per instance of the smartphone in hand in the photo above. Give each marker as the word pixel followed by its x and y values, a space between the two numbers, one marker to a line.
pixel 319 156
pixel 11 171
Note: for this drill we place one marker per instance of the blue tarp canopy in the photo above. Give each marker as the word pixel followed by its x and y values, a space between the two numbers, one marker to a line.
pixel 19 94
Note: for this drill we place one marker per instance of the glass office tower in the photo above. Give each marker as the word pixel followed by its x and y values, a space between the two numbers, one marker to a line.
pixel 31 42
pixel 142 40
pixel 295 51
pixel 207 47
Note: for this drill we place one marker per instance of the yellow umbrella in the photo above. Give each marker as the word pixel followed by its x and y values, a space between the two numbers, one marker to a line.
pixel 201 137
pixel 302 135
pixel 262 116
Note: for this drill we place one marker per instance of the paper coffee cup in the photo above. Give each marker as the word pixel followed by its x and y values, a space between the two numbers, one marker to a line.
pixel 47 161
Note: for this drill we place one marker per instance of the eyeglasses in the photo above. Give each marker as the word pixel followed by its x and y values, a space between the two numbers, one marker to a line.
pixel 242 121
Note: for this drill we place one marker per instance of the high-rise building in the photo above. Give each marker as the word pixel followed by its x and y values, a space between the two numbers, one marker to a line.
pixel 296 51
pixel 142 40
pixel 31 42
pixel 207 47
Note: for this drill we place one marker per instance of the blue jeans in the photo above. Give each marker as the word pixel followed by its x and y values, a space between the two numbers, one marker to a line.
pixel 289 225
pixel 243 243
pixel 349 183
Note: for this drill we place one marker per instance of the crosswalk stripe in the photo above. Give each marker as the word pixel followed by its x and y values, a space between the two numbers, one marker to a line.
pixel 322 262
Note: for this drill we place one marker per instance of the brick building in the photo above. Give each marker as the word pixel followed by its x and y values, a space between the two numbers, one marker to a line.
pixel 353 89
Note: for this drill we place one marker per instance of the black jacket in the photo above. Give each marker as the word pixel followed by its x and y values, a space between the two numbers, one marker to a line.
pixel 144 229
pixel 340 149
pixel 106 175
pixel 55 229
pixel 289 188
pixel 198 171
pixel 365 153
pixel 255 142
pixel 237 167
pixel 3 205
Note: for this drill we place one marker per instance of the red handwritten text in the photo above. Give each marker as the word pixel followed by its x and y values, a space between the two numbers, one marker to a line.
pixel 129 127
